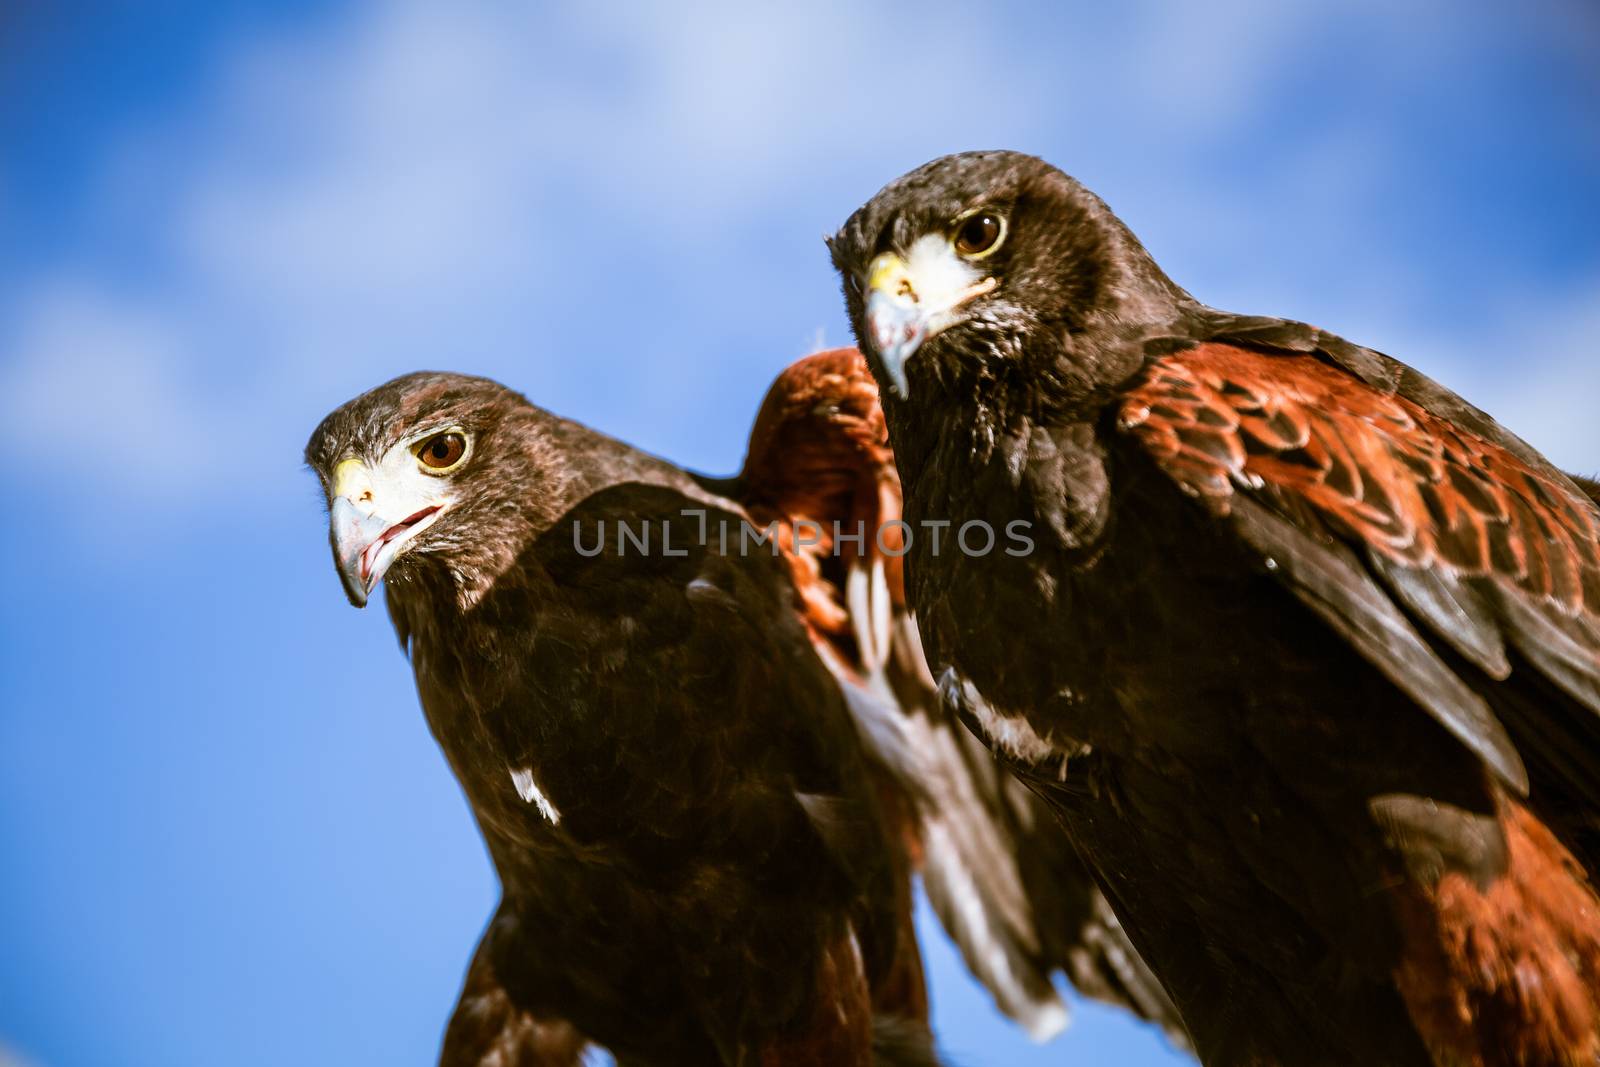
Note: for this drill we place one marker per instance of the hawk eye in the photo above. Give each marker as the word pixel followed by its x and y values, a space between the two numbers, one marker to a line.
pixel 442 451
pixel 979 234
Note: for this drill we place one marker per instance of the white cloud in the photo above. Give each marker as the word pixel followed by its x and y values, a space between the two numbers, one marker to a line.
pixel 613 209
pixel 103 382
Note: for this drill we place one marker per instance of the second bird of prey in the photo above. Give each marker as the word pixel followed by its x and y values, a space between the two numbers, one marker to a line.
pixel 1301 674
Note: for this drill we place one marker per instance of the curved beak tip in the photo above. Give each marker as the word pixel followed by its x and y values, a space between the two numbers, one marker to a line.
pixel 350 534
pixel 897 327
pixel 354 590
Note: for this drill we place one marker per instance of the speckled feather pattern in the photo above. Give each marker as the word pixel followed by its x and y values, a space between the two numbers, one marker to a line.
pixel 1381 469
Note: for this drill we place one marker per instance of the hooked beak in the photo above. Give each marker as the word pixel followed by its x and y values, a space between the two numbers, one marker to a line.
pixel 900 319
pixel 365 542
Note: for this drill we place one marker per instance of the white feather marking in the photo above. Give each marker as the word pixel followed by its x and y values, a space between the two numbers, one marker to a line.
pixel 528 790
pixel 906 632
pixel 985 948
pixel 882 610
pixel 871 609
pixel 857 594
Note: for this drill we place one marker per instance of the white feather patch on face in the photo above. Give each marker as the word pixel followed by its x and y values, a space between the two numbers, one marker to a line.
pixel 528 790
pixel 395 488
pixel 942 279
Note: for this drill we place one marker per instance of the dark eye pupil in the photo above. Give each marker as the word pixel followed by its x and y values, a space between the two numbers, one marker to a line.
pixel 978 233
pixel 444 450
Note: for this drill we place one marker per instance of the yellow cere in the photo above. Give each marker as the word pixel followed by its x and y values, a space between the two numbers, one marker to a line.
pixel 351 478
pixel 887 273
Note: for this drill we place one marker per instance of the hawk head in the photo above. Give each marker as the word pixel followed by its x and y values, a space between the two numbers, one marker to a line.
pixel 975 259
pixel 430 468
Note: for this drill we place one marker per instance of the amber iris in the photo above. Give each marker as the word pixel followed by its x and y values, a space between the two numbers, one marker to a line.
pixel 978 234
pixel 443 451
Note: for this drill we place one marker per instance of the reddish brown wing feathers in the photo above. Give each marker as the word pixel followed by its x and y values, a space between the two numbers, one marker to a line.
pixel 819 454
pixel 1469 537
pixel 1507 973
pixel 1402 482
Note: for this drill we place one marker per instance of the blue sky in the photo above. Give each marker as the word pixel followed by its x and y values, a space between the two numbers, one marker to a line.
pixel 222 821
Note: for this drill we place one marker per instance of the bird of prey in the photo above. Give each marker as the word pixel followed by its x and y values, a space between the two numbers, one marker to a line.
pixel 1005 884
pixel 694 868
pixel 1303 648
